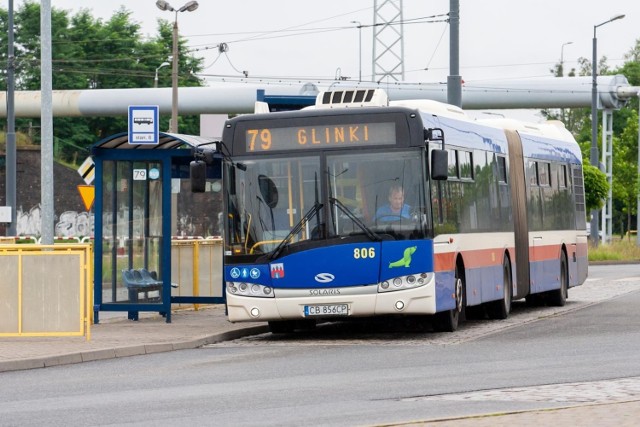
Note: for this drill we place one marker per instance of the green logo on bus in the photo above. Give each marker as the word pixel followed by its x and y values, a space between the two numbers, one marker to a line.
pixel 405 261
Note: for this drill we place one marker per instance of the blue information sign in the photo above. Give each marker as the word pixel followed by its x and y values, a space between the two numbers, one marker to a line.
pixel 143 124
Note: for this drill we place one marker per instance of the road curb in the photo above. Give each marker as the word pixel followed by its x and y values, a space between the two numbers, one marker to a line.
pixel 128 351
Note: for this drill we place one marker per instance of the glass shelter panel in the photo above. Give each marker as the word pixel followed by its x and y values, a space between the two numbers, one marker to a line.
pixel 132 232
pixel 196 215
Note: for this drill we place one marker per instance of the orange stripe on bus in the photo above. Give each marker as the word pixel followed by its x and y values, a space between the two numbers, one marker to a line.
pixel 492 257
pixel 444 261
pixel 544 253
pixel 472 259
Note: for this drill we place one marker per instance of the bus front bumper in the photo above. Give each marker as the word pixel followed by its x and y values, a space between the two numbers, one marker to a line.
pixel 361 301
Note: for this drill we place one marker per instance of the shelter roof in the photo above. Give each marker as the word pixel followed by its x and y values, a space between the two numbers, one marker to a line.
pixel 166 141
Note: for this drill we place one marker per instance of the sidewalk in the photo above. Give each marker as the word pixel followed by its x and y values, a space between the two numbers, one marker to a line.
pixel 116 336
pixel 614 414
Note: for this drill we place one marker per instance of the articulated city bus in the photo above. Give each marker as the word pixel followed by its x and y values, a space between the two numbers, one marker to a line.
pixel 360 207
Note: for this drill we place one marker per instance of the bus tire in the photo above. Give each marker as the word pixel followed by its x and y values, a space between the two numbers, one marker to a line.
pixel 448 321
pixel 281 326
pixel 559 297
pixel 501 308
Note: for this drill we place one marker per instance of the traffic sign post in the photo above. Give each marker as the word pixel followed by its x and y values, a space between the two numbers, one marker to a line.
pixel 143 124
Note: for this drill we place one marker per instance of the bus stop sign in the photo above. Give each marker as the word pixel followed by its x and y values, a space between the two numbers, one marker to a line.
pixel 143 124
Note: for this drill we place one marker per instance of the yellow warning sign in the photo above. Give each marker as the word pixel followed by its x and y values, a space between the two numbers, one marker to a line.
pixel 88 194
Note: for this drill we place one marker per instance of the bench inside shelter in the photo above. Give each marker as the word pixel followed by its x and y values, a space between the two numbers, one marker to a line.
pixel 140 281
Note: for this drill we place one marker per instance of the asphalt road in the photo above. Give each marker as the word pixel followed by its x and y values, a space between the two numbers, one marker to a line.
pixel 355 374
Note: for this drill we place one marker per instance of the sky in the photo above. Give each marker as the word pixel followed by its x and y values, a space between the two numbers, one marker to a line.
pixel 297 40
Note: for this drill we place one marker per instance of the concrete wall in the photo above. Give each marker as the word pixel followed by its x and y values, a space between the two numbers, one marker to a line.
pixel 71 217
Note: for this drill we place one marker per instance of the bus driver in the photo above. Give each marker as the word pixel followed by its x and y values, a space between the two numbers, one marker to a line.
pixel 396 209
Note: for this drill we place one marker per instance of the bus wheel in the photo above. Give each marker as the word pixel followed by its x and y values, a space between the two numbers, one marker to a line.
pixel 282 326
pixel 447 321
pixel 559 297
pixel 501 308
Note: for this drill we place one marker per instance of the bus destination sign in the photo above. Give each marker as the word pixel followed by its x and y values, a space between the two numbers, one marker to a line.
pixel 315 137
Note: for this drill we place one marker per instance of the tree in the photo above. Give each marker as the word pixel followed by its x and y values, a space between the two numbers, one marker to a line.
pixel 625 165
pixel 625 185
pixel 596 181
pixel 89 53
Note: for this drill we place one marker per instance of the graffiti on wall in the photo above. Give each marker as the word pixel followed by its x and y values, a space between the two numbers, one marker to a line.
pixel 28 223
pixel 69 224
pixel 81 224
pixel 76 224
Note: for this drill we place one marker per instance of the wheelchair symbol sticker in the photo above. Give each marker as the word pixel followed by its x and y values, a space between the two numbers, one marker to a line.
pixel 235 273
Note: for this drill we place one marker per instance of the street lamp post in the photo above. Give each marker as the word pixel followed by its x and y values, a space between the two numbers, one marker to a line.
pixel 561 74
pixel 188 7
pixel 359 49
pixel 594 154
pixel 562 58
pixel 155 79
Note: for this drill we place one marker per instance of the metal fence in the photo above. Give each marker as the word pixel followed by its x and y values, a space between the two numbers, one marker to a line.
pixel 196 268
pixel 45 290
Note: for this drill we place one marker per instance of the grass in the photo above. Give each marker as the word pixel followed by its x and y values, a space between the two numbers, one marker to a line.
pixel 618 250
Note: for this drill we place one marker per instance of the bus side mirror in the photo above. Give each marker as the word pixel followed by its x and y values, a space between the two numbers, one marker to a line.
pixel 439 158
pixel 198 176
pixel 434 134
pixel 439 164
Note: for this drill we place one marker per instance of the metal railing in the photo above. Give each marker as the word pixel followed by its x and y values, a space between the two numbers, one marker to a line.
pixel 46 290
pixel 196 261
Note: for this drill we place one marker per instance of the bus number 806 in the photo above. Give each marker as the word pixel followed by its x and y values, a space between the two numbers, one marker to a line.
pixel 364 253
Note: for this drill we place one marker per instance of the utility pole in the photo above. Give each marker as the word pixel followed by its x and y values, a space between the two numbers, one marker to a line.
pixel 454 81
pixel 46 117
pixel 11 156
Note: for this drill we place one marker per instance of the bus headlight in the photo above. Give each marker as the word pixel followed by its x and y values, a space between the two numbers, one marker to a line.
pixel 249 289
pixel 405 282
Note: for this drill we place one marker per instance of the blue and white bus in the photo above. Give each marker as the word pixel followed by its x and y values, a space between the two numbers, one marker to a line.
pixel 491 212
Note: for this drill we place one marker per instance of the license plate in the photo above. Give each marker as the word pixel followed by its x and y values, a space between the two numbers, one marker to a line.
pixel 326 310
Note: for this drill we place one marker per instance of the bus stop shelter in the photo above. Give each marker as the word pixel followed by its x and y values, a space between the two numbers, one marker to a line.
pixel 145 215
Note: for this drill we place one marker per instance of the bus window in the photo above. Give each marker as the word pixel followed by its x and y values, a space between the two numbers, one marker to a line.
pixel 543 174
pixel 533 174
pixel 465 164
pixel 270 198
pixel 453 164
pixel 502 169
pixel 362 185
pixel 562 176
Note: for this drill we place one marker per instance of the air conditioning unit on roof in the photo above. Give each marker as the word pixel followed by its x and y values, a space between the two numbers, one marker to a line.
pixel 352 98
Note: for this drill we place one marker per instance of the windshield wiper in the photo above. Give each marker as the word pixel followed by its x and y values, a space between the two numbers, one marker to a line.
pixel 370 234
pixel 295 230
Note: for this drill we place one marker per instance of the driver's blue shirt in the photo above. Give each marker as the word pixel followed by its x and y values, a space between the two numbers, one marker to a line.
pixel 384 213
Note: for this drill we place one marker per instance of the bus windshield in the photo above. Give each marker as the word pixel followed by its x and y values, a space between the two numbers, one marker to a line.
pixel 274 203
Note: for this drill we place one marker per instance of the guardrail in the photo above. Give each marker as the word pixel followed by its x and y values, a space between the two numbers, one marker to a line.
pixel 46 290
